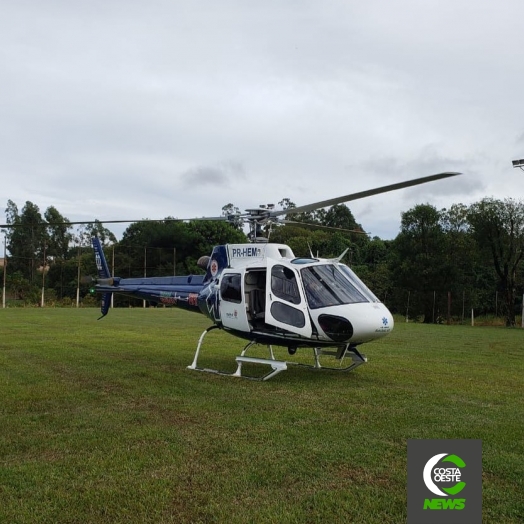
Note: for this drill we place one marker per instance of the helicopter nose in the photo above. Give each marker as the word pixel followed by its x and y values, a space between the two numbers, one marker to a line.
pixel 372 321
pixel 355 323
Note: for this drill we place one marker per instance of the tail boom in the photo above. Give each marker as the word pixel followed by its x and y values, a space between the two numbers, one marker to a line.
pixel 170 291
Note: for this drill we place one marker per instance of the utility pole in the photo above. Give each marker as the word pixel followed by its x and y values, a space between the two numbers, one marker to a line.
pixel 5 271
pixel 520 165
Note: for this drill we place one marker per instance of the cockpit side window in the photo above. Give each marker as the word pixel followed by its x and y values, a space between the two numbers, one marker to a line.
pixel 284 284
pixel 358 283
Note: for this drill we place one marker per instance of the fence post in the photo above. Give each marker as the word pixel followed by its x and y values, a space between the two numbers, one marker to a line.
pixel 113 274
pixel 145 271
pixel 78 279
pixel 42 301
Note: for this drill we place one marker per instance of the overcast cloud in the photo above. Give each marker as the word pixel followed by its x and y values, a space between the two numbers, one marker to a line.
pixel 130 109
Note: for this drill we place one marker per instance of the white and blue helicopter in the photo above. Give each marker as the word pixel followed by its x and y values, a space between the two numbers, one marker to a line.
pixel 263 293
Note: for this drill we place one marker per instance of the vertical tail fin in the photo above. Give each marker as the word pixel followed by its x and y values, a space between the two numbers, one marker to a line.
pixel 106 304
pixel 100 259
pixel 103 272
pixel 218 261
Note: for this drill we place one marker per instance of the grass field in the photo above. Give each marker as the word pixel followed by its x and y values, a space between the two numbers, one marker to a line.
pixel 102 422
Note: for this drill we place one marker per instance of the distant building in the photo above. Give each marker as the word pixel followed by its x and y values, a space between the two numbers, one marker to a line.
pixel 1 262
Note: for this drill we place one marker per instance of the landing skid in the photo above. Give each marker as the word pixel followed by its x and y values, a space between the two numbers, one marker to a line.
pixel 277 366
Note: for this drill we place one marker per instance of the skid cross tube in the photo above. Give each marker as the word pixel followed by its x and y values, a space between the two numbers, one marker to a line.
pixel 276 365
pixel 357 358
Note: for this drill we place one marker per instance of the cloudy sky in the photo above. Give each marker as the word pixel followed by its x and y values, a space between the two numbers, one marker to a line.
pixel 115 109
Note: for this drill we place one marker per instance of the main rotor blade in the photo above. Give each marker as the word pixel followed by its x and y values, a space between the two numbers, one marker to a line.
pixel 320 226
pixel 363 194
pixel 85 222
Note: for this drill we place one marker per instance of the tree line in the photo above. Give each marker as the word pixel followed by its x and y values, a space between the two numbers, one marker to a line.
pixel 464 254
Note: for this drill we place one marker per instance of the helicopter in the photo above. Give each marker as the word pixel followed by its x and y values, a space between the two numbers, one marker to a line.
pixel 262 293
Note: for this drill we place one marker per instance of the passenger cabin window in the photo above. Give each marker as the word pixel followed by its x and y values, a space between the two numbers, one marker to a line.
pixel 231 288
pixel 284 284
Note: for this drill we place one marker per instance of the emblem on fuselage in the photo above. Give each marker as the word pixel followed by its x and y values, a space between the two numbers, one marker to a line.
pixel 214 268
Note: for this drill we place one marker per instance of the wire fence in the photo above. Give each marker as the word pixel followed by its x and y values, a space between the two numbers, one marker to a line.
pixel 462 306
pixel 67 282
pixel 27 279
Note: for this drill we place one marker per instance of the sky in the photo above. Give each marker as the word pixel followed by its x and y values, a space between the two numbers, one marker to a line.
pixel 113 109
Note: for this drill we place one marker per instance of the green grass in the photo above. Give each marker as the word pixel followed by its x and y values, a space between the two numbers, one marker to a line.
pixel 102 422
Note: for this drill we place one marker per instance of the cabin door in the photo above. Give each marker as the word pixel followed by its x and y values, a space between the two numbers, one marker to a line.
pixel 232 304
pixel 286 306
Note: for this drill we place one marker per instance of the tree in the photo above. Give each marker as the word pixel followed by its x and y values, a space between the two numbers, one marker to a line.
pixel 190 240
pixel 20 287
pixel 58 235
pixel 498 228
pixel 307 241
pixel 465 265
pixel 340 216
pixel 26 238
pixel 204 235
pixel 419 265
pixel 232 212
pixel 85 232
pixel 373 267
pixel 310 217
pixel 334 219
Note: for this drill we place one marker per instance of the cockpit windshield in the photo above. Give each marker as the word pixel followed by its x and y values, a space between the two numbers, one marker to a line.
pixel 330 285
